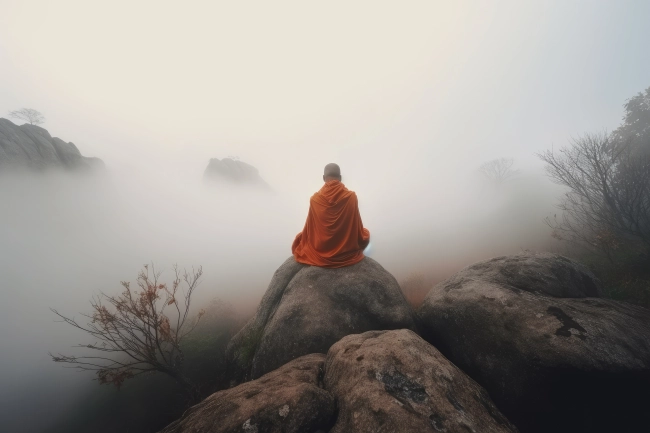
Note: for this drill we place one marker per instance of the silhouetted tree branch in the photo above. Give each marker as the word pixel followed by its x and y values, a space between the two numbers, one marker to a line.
pixel 133 333
pixel 608 201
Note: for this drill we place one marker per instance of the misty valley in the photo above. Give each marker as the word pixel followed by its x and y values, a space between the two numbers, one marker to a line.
pixel 293 217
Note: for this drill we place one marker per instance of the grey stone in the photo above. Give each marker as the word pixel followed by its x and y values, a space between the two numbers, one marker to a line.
pixel 234 172
pixel 306 309
pixel 32 147
pixel 553 356
pixel 288 400
pixel 394 381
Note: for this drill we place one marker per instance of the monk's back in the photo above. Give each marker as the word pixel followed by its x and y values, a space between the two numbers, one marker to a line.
pixel 333 235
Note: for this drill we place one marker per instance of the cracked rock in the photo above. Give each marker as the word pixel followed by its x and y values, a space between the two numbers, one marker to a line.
pixel 287 400
pixel 394 381
pixel 531 329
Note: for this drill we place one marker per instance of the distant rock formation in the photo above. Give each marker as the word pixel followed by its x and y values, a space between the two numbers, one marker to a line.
pixel 531 329
pixel 306 309
pixel 233 171
pixel 32 147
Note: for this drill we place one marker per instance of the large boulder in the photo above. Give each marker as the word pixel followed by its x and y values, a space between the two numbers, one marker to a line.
pixel 233 171
pixel 306 309
pixel 393 381
pixel 287 400
pixel 552 355
pixel 32 147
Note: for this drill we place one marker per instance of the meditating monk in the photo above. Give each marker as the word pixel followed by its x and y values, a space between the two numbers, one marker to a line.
pixel 333 236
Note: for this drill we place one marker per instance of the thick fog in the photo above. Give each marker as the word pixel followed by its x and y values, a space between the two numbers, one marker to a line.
pixel 67 237
pixel 409 98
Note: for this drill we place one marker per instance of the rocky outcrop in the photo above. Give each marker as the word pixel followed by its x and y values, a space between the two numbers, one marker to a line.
pixel 30 146
pixel 522 339
pixel 393 381
pixel 378 381
pixel 306 309
pixel 538 273
pixel 233 171
pixel 554 357
pixel 287 400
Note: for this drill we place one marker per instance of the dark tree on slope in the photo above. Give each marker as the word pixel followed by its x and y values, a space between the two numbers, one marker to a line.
pixel 608 202
pixel 636 121
pixel 133 333
pixel 29 115
pixel 499 170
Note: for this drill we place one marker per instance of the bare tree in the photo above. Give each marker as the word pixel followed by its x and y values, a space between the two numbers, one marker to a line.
pixel 29 115
pixel 134 335
pixel 499 170
pixel 608 201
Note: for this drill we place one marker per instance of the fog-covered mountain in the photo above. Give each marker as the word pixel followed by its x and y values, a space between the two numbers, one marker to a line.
pixel 233 171
pixel 30 146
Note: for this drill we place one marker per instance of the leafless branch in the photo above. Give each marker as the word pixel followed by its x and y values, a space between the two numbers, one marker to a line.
pixel 499 170
pixel 134 331
pixel 29 115
pixel 608 201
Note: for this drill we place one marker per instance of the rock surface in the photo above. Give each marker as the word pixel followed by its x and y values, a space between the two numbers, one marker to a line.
pixel 551 357
pixel 287 400
pixel 233 171
pixel 30 146
pixel 306 309
pixel 393 381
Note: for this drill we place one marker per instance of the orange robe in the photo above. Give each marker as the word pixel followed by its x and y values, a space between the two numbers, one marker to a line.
pixel 333 236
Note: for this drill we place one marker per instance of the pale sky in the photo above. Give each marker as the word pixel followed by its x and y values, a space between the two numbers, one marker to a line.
pixel 289 86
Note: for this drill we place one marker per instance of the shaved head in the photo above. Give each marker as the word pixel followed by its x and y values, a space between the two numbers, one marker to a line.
pixel 332 172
